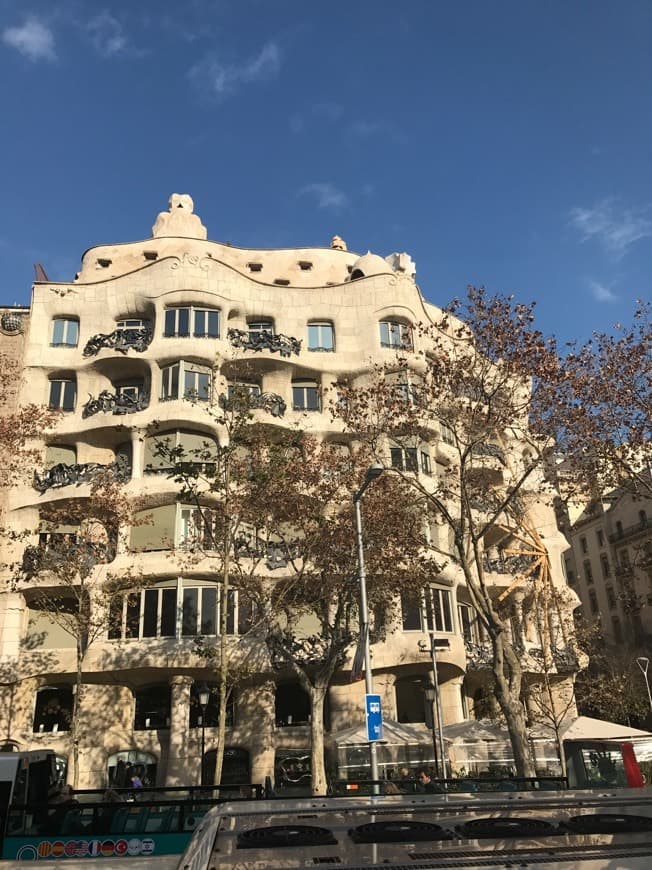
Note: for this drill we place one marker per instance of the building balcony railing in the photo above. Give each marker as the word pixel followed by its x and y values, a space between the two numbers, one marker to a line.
pixel 270 402
pixel 273 342
pixel 83 554
pixel 122 340
pixel 64 475
pixel 622 534
pixel 478 655
pixel 115 403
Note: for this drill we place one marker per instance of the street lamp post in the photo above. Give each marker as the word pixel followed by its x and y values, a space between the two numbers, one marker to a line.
pixel 203 694
pixel 430 695
pixel 373 472
pixel 444 644
pixel 644 663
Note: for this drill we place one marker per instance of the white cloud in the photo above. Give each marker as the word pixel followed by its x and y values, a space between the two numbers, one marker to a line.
pixel 221 80
pixel 602 293
pixel 106 34
pixel 34 40
pixel 326 194
pixel 615 230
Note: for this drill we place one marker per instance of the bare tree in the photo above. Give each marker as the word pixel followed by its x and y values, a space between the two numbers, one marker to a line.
pixel 599 409
pixel 468 395
pixel 67 577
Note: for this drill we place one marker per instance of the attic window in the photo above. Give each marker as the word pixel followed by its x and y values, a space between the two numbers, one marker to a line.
pixel 349 269
pixel 305 265
pixel 282 281
pixel 255 267
pixel 104 263
pixel 150 255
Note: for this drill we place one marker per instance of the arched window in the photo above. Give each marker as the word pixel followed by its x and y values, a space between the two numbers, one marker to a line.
pixel 191 321
pixel 321 336
pixel 292 705
pixel 179 448
pixel 65 332
pixel 121 766
pixel 63 393
pixel 235 766
pixel 53 710
pixel 395 334
pixel 305 396
pixel 152 708
pixel 410 700
pixel 212 708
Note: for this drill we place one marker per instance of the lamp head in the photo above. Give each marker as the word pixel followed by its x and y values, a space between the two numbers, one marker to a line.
pixel 429 691
pixel 373 472
pixel 203 694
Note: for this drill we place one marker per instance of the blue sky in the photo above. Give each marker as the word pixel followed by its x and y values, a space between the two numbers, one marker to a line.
pixel 499 143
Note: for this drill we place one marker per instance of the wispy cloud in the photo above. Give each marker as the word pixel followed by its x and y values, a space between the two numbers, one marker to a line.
pixel 602 293
pixel 220 80
pixel 34 40
pixel 616 230
pixel 326 194
pixel 106 35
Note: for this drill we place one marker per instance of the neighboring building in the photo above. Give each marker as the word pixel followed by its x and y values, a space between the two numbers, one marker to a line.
pixel 142 325
pixel 609 565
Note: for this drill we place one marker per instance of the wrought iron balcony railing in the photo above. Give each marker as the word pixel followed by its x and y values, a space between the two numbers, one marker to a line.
pixel 642 526
pixel 83 555
pixel 65 475
pixel 115 403
pixel 122 340
pixel 270 402
pixel 275 343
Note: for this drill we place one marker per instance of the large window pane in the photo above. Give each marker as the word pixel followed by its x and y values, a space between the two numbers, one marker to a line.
pixel 169 613
pixel 183 322
pixel 151 612
pixel 170 322
pixel 115 618
pixel 411 612
pixel 133 615
pixel 189 615
pixel 213 327
pixel 209 610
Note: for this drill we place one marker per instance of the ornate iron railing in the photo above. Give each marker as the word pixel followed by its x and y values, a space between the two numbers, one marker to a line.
pixel 65 475
pixel 115 403
pixel 270 402
pixel 489 450
pixel 478 655
pixel 83 554
pixel 643 525
pixel 275 343
pixel 136 338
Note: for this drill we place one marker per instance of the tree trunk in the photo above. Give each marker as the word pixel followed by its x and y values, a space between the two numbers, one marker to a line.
pixel 223 671
pixel 507 678
pixel 76 707
pixel 318 767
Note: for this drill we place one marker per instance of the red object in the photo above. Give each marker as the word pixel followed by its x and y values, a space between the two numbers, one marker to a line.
pixel 632 770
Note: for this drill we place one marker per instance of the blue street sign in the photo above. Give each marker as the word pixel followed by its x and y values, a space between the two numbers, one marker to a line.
pixel 374 712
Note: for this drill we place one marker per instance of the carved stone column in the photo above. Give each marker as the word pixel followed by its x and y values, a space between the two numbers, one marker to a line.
pixel 137 450
pixel 177 766
pixel 451 700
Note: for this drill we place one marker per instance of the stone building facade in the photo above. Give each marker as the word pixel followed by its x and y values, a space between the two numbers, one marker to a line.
pixel 609 565
pixel 116 350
